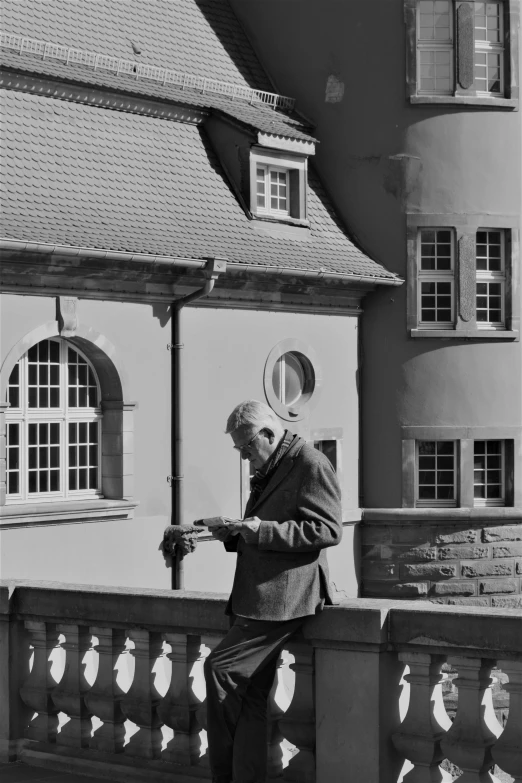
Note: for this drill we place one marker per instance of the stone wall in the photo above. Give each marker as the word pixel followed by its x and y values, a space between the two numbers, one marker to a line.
pixel 472 562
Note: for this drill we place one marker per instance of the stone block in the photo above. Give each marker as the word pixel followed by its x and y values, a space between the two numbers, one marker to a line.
pixel 468 536
pixel 427 571
pixel 508 550
pixel 492 586
pixel 454 588
pixel 513 602
pixel 378 570
pixel 488 568
pixel 468 601
pixel 414 533
pixel 463 552
pixel 502 533
pixel 518 567
pixel 375 534
pixel 389 590
pixel 414 554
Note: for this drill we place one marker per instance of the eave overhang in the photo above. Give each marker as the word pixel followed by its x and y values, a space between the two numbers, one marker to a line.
pixel 44 269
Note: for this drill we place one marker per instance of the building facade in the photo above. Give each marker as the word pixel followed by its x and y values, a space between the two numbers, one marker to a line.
pixel 417 107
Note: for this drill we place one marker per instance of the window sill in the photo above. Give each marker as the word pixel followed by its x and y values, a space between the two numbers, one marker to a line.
pixel 401 515
pixel 286 219
pixel 466 334
pixel 68 512
pixel 466 100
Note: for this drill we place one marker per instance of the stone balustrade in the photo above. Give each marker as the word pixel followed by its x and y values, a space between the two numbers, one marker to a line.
pixel 109 682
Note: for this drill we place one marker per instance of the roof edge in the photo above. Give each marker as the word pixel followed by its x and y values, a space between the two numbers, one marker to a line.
pixel 70 54
pixel 21 246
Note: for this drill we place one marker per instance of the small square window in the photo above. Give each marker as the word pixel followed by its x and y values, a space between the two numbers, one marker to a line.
pixel 491 279
pixel 278 183
pixel 272 191
pixel 436 278
pixel 436 473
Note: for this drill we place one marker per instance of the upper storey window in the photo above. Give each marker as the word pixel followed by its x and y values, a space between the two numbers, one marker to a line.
pixel 53 425
pixel 461 282
pixel 435 47
pixel 458 52
pixel 273 190
pixel 278 186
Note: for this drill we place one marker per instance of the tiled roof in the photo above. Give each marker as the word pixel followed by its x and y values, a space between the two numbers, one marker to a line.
pixel 86 176
pixel 201 37
pixel 257 116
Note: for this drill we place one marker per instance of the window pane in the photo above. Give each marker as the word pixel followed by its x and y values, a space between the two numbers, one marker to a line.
pixel 489 479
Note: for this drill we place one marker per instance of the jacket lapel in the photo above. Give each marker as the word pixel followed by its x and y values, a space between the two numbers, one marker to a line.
pixel 287 463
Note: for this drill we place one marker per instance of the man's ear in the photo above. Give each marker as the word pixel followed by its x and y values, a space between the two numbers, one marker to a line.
pixel 270 434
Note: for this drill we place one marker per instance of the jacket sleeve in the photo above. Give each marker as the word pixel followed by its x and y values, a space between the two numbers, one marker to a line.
pixel 318 518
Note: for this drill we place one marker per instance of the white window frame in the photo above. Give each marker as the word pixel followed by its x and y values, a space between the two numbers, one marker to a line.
pixel 268 209
pixel 501 501
pixel 435 46
pixel 435 502
pixel 435 276
pixel 496 276
pixel 63 415
pixel 486 48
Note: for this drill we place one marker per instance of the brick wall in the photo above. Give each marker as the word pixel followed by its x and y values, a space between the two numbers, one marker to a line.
pixel 478 564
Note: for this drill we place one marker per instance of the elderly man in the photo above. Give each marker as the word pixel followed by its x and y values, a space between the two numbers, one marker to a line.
pixel 292 515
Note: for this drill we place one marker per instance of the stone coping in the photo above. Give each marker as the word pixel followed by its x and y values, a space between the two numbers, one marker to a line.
pixel 381 623
pixel 402 515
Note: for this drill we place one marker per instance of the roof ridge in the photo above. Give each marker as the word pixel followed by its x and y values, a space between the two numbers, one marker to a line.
pixel 23 44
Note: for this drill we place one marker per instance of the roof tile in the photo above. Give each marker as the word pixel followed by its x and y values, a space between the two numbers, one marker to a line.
pixel 146 186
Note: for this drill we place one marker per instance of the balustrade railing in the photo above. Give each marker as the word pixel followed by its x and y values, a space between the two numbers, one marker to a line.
pixel 110 682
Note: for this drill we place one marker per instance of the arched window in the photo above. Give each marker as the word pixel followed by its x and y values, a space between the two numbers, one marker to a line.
pixel 53 425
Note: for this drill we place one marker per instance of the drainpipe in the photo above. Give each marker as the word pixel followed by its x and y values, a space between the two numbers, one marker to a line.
pixel 213 268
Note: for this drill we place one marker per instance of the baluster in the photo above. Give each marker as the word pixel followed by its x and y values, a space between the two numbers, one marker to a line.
pixel 177 708
pixel 507 751
pixel 208 643
pixel 104 698
pixel 139 704
pixel 298 723
pixel 418 738
pixel 278 702
pixel 37 688
pixel 475 728
pixel 68 695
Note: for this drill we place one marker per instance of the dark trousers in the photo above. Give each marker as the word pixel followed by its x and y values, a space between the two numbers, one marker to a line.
pixel 239 674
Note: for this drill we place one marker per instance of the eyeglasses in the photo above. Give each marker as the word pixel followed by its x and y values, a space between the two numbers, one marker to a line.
pixel 247 445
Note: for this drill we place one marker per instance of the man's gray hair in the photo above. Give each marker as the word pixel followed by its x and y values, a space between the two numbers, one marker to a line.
pixel 254 413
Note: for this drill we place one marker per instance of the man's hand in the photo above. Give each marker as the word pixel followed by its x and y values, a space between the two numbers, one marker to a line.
pixel 222 533
pixel 248 528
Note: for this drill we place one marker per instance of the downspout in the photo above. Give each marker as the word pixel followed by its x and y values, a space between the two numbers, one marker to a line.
pixel 213 268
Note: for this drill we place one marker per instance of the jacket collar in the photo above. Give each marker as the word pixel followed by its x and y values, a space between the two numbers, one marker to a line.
pixel 284 468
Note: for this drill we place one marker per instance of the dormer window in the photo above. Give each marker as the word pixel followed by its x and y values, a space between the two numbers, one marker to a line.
pixel 278 186
pixel 273 190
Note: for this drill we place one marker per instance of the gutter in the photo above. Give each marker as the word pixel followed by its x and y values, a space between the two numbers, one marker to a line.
pixel 166 263
pixel 212 269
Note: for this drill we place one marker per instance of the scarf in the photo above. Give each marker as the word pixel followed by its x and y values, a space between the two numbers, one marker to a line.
pixel 262 476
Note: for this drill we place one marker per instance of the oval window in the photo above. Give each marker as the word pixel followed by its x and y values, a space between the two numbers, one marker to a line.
pixel 291 379
pixel 293 376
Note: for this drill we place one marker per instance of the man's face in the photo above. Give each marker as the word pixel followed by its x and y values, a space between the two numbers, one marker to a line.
pixel 253 444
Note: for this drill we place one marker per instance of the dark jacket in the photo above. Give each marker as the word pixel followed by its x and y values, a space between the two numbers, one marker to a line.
pixel 285 574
